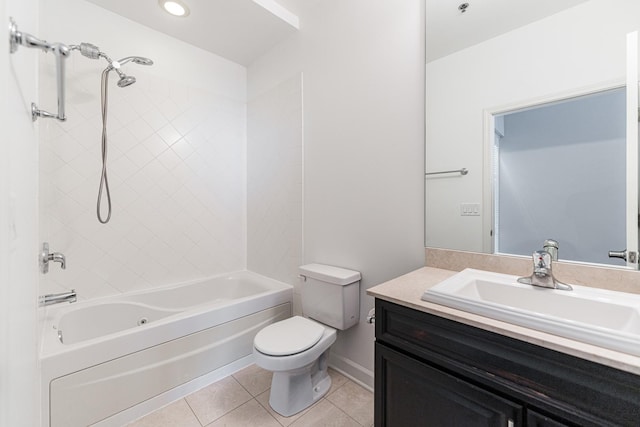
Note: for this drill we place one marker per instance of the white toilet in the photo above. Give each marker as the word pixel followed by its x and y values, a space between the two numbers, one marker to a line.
pixel 297 349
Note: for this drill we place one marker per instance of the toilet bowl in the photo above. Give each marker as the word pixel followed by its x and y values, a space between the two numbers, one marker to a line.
pixel 296 350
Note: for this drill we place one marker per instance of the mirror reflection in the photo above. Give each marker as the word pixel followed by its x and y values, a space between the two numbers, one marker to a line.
pixel 534 172
pixel 558 170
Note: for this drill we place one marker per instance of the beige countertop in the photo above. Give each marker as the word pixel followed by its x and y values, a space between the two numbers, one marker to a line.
pixel 406 291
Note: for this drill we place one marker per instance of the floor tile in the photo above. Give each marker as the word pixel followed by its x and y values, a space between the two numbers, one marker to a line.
pixel 255 379
pixel 229 402
pixel 355 401
pixel 325 414
pixel 251 414
pixel 337 380
pixel 217 399
pixel 177 414
pixel 263 399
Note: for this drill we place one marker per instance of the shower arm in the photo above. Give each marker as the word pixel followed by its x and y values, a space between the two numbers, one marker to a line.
pixel 60 51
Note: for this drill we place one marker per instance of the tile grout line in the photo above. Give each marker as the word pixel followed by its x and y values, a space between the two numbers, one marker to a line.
pixel 233 409
pixel 267 409
pixel 268 413
pixel 348 416
pixel 254 398
pixel 325 398
pixel 192 411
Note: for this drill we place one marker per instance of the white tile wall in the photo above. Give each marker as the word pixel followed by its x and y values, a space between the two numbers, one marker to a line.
pixel 177 172
pixel 274 183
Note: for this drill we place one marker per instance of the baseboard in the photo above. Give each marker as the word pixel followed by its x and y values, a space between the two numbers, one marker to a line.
pixel 355 372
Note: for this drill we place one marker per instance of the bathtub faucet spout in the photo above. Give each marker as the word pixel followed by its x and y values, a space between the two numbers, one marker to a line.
pixel 57 298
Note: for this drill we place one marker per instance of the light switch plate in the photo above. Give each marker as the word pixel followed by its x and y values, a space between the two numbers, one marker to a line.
pixel 470 209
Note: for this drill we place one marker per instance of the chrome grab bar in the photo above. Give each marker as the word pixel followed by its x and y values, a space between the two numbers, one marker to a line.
pixel 61 52
pixel 462 171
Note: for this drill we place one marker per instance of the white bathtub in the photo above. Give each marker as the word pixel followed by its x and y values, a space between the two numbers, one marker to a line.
pixel 107 361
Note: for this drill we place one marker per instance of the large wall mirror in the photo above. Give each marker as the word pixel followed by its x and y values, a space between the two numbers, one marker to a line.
pixel 532 127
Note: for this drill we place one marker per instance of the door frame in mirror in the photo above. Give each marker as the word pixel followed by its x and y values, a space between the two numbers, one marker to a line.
pixel 488 174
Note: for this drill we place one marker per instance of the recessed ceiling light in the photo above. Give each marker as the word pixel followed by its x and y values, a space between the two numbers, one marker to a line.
pixel 174 7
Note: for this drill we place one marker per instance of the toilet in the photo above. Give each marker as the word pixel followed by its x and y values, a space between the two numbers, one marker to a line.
pixel 296 350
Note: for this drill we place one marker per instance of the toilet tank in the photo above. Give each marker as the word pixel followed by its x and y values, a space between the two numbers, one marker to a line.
pixel 330 295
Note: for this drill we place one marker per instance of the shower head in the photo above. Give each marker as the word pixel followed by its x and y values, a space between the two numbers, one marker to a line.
pixel 126 81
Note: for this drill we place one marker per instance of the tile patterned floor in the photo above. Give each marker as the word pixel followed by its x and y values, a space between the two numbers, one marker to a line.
pixel 242 400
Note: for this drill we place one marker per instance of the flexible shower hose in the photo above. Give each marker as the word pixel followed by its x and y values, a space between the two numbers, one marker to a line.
pixel 104 182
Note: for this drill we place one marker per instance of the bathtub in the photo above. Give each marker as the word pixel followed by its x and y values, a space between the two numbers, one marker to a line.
pixel 111 360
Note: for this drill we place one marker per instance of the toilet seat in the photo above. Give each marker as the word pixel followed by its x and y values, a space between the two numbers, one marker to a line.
pixel 287 337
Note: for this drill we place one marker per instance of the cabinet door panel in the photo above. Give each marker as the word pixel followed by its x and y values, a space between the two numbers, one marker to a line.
pixel 535 419
pixel 410 391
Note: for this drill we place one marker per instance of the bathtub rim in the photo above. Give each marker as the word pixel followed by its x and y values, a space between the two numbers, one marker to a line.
pixel 93 350
pixel 46 310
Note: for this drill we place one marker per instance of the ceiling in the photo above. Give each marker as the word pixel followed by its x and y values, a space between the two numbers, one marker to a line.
pixel 448 30
pixel 239 30
pixel 242 30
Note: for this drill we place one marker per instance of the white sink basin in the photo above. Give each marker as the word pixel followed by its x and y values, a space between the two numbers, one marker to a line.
pixel 605 318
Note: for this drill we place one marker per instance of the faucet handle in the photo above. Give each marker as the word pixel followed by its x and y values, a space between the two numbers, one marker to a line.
pixel 46 256
pixel 542 262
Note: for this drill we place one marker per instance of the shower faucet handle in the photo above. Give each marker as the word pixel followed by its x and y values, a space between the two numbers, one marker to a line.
pixel 46 256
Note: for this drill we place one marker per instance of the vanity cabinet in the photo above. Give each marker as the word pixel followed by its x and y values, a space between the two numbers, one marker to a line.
pixel 431 371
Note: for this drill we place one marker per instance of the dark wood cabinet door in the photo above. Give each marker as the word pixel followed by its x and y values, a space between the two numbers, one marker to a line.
pixel 535 419
pixel 412 393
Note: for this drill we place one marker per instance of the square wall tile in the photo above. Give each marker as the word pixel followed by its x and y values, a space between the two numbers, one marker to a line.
pixel 157 221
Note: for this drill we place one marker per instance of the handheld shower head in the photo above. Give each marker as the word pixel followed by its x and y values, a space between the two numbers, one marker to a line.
pixel 136 60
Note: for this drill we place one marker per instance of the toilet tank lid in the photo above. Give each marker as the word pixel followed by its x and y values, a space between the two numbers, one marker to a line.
pixel 330 274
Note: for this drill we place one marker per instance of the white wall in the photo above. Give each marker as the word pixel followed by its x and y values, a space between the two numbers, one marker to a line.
pixel 19 396
pixel 176 165
pixel 274 183
pixel 556 55
pixel 363 65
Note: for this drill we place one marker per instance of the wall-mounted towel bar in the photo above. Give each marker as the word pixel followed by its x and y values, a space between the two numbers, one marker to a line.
pixel 462 171
pixel 61 52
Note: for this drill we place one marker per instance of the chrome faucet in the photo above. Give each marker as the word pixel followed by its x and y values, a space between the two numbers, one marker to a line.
pixel 542 275
pixel 45 257
pixel 57 298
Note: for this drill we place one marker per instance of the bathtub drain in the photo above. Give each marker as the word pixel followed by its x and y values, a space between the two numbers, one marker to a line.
pixel 142 321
